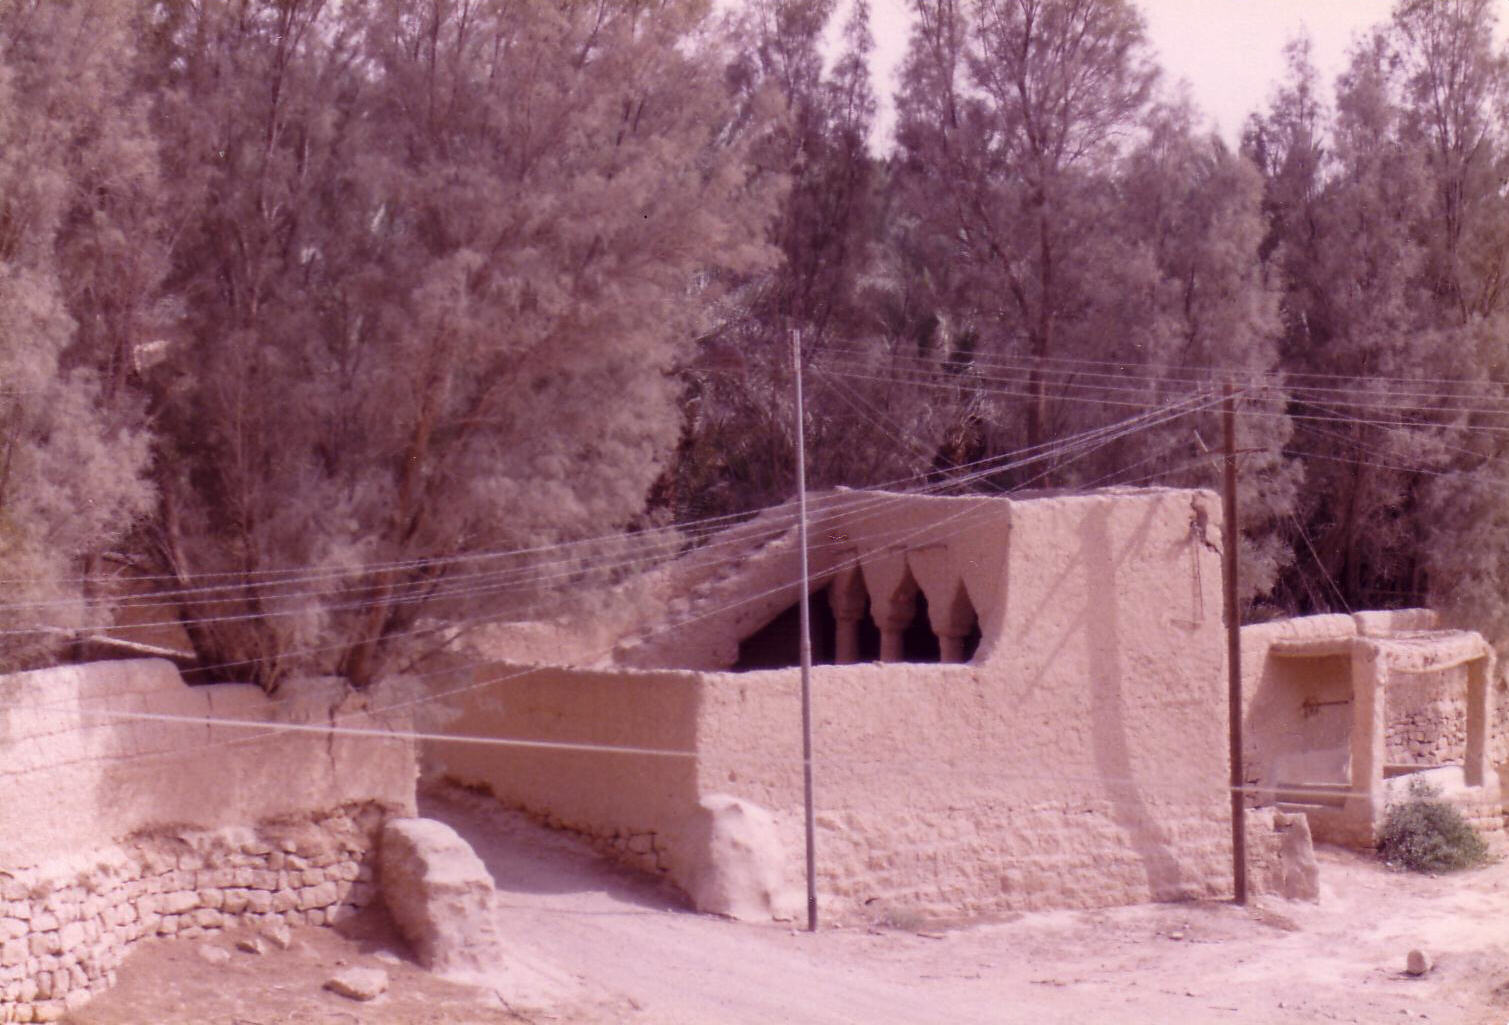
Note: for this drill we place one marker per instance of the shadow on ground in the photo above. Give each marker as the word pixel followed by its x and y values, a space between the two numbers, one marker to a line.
pixel 526 859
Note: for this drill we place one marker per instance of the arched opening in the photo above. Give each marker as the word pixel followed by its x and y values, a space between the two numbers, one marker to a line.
pixel 906 632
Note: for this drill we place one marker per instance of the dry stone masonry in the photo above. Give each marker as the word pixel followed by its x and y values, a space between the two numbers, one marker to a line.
pixel 111 830
pixel 1427 718
pixel 66 928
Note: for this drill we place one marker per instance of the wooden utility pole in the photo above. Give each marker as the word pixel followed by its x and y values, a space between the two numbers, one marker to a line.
pixel 1229 543
pixel 806 641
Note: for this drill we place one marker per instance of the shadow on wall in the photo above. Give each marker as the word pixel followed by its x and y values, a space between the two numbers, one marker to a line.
pixel 524 859
pixel 1299 721
pixel 1166 877
pixel 632 807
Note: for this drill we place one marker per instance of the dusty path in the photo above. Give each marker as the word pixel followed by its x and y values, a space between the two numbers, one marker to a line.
pixel 1280 962
pixel 616 948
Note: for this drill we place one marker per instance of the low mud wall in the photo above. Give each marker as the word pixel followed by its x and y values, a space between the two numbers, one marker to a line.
pixel 611 756
pixel 115 827
pixel 946 792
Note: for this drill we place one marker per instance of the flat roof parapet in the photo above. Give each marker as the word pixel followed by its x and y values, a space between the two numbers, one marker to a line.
pixel 1306 636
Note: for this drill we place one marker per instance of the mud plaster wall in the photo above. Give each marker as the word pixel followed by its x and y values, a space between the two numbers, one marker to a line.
pixel 112 829
pixel 1299 720
pixel 1080 762
pixel 628 804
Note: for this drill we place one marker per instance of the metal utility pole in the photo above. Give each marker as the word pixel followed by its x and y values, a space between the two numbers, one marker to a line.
pixel 806 641
pixel 1233 643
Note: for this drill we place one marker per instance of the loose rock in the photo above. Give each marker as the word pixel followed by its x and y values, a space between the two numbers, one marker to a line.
pixel 278 935
pixel 251 944
pixel 358 983
pixel 1417 963
pixel 213 955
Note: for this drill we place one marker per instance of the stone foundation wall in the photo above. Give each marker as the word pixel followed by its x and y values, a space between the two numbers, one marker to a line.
pixel 1484 814
pixel 127 811
pixel 65 927
pixel 1427 718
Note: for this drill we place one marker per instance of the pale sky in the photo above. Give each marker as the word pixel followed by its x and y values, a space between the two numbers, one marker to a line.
pixel 1229 51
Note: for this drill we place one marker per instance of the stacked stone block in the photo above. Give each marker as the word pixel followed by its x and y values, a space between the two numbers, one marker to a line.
pixel 1427 719
pixel 646 851
pixel 64 929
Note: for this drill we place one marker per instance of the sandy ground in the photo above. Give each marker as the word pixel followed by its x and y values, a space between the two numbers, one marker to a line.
pixel 596 944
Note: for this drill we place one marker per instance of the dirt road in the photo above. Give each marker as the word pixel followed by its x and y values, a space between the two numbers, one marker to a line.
pixel 596 944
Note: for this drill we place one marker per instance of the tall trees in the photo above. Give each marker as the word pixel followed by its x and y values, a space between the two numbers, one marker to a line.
pixel 1385 230
pixel 1013 110
pixel 1192 207
pixel 78 186
pixel 428 238
pixel 1093 225
pixel 739 450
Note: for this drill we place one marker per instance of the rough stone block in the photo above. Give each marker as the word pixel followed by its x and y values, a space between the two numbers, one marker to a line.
pixel 71 936
pixel 737 861
pixel 319 896
pixel 359 983
pixel 440 896
pixel 178 901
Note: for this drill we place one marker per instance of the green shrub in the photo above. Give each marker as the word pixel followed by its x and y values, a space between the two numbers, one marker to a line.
pixel 1427 834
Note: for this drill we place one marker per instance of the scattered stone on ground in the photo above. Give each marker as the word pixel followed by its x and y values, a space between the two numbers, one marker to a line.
pixel 214 955
pixel 251 945
pixel 358 983
pixel 440 895
pixel 1417 963
pixel 279 935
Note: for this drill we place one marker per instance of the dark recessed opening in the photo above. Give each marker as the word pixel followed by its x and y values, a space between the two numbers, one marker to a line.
pixel 918 642
pixel 776 645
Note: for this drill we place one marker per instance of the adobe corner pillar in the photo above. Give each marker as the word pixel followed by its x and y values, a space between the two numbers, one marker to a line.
pixel 1365 801
pixel 1477 766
